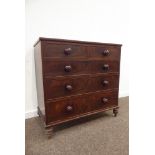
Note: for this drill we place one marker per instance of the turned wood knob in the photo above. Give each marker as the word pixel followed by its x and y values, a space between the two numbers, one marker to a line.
pixel 69 108
pixel 106 52
pixel 106 67
pixel 68 68
pixel 105 82
pixel 67 51
pixel 104 100
pixel 69 87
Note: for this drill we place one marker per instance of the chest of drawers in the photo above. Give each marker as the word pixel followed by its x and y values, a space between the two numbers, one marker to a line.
pixel 75 79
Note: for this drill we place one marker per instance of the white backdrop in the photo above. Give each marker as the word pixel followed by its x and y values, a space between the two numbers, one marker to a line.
pixel 89 20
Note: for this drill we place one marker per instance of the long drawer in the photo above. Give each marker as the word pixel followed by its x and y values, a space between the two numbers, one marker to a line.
pixel 63 109
pixel 67 86
pixel 63 68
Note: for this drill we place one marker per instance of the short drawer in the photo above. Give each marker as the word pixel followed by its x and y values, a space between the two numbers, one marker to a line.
pixel 105 52
pixel 64 109
pixel 62 68
pixel 63 50
pixel 67 86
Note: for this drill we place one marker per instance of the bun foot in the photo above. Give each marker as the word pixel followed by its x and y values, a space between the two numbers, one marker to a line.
pixel 49 132
pixel 38 114
pixel 115 112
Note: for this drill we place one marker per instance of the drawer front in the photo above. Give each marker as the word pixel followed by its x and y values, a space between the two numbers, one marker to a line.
pixel 70 50
pixel 62 87
pixel 105 52
pixel 58 110
pixel 60 50
pixel 62 68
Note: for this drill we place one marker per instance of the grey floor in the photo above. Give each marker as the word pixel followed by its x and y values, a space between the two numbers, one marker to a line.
pixel 101 134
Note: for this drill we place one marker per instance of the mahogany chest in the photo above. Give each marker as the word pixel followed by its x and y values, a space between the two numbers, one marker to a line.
pixel 75 79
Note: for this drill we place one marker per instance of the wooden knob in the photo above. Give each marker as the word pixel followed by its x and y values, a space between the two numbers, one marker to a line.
pixel 104 100
pixel 105 82
pixel 106 52
pixel 68 68
pixel 69 108
pixel 106 67
pixel 67 51
pixel 69 87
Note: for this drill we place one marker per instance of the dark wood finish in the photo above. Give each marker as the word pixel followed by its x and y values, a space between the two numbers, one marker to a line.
pixel 39 79
pixel 109 53
pixel 67 86
pixel 63 68
pixel 49 132
pixel 75 79
pixel 59 50
pixel 61 109
pixel 115 111
pixel 75 50
pixel 55 40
